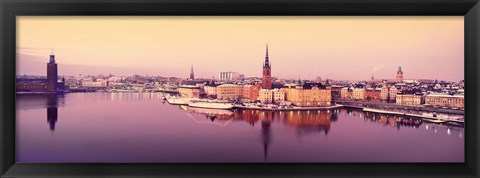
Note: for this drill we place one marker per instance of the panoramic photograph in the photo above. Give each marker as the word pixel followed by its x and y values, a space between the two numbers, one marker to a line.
pixel 240 89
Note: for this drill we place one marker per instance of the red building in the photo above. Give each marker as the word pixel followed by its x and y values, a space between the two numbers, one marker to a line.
pixel 52 74
pixel 267 73
pixel 373 94
pixel 250 92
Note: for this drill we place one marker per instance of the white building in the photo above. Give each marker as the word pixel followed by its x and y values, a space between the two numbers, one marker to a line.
pixel 271 96
pixel 230 76
pixel 94 83
pixel 265 96
pixel 384 93
pixel 211 90
pixel 392 93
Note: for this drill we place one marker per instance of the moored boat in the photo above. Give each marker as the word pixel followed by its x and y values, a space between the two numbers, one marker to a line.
pixel 207 111
pixel 177 100
pixel 212 105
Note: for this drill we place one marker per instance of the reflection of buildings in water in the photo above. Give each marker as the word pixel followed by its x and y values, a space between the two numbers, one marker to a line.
pixel 36 101
pixel 445 129
pixel 52 110
pixel 381 118
pixel 309 121
pixel 394 121
pixel 249 116
pixel 266 137
pixel 304 121
pixel 211 114
pixel 49 101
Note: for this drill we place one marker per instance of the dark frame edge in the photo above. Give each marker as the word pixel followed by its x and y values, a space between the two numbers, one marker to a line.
pixel 8 168
pixel 7 127
pixel 472 47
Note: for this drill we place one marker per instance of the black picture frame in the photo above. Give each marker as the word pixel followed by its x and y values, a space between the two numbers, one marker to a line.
pixel 9 9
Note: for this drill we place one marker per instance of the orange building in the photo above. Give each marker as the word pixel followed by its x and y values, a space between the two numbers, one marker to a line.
pixel 229 92
pixel 250 92
pixel 310 94
pixel 444 100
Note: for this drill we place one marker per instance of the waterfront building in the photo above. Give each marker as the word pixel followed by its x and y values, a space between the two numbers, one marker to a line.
pixel 229 92
pixel 267 75
pixel 392 93
pixel 271 96
pixel 189 91
pixel 408 99
pixel 445 100
pixel 373 94
pixel 384 93
pixel 265 96
pixel 250 93
pixel 210 89
pixel 358 93
pixel 336 92
pixel 308 94
pixel 346 93
pixel 278 95
pixel 95 83
pixel 48 85
pixel 399 74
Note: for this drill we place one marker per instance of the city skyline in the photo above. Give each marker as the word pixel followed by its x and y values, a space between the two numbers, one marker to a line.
pixel 218 44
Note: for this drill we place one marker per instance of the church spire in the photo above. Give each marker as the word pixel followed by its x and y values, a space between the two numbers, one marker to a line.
pixel 267 63
pixel 192 76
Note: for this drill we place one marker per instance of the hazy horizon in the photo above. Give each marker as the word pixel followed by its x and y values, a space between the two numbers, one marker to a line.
pixel 340 48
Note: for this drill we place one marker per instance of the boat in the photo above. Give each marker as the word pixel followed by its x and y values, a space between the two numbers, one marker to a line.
pixel 177 100
pixel 209 112
pixel 211 105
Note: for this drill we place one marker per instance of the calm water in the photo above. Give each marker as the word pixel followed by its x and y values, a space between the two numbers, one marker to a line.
pixel 139 127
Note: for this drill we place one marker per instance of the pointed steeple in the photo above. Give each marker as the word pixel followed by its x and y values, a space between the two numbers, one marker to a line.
pixel 192 76
pixel 267 51
pixel 267 62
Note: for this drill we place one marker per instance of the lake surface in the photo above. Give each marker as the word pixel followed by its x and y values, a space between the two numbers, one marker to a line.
pixel 140 127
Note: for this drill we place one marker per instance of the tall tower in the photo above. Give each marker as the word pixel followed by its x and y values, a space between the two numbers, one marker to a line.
pixel 52 74
pixel 267 75
pixel 399 74
pixel 192 76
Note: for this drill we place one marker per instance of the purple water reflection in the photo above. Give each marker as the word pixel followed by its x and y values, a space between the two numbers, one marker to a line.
pixel 139 127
